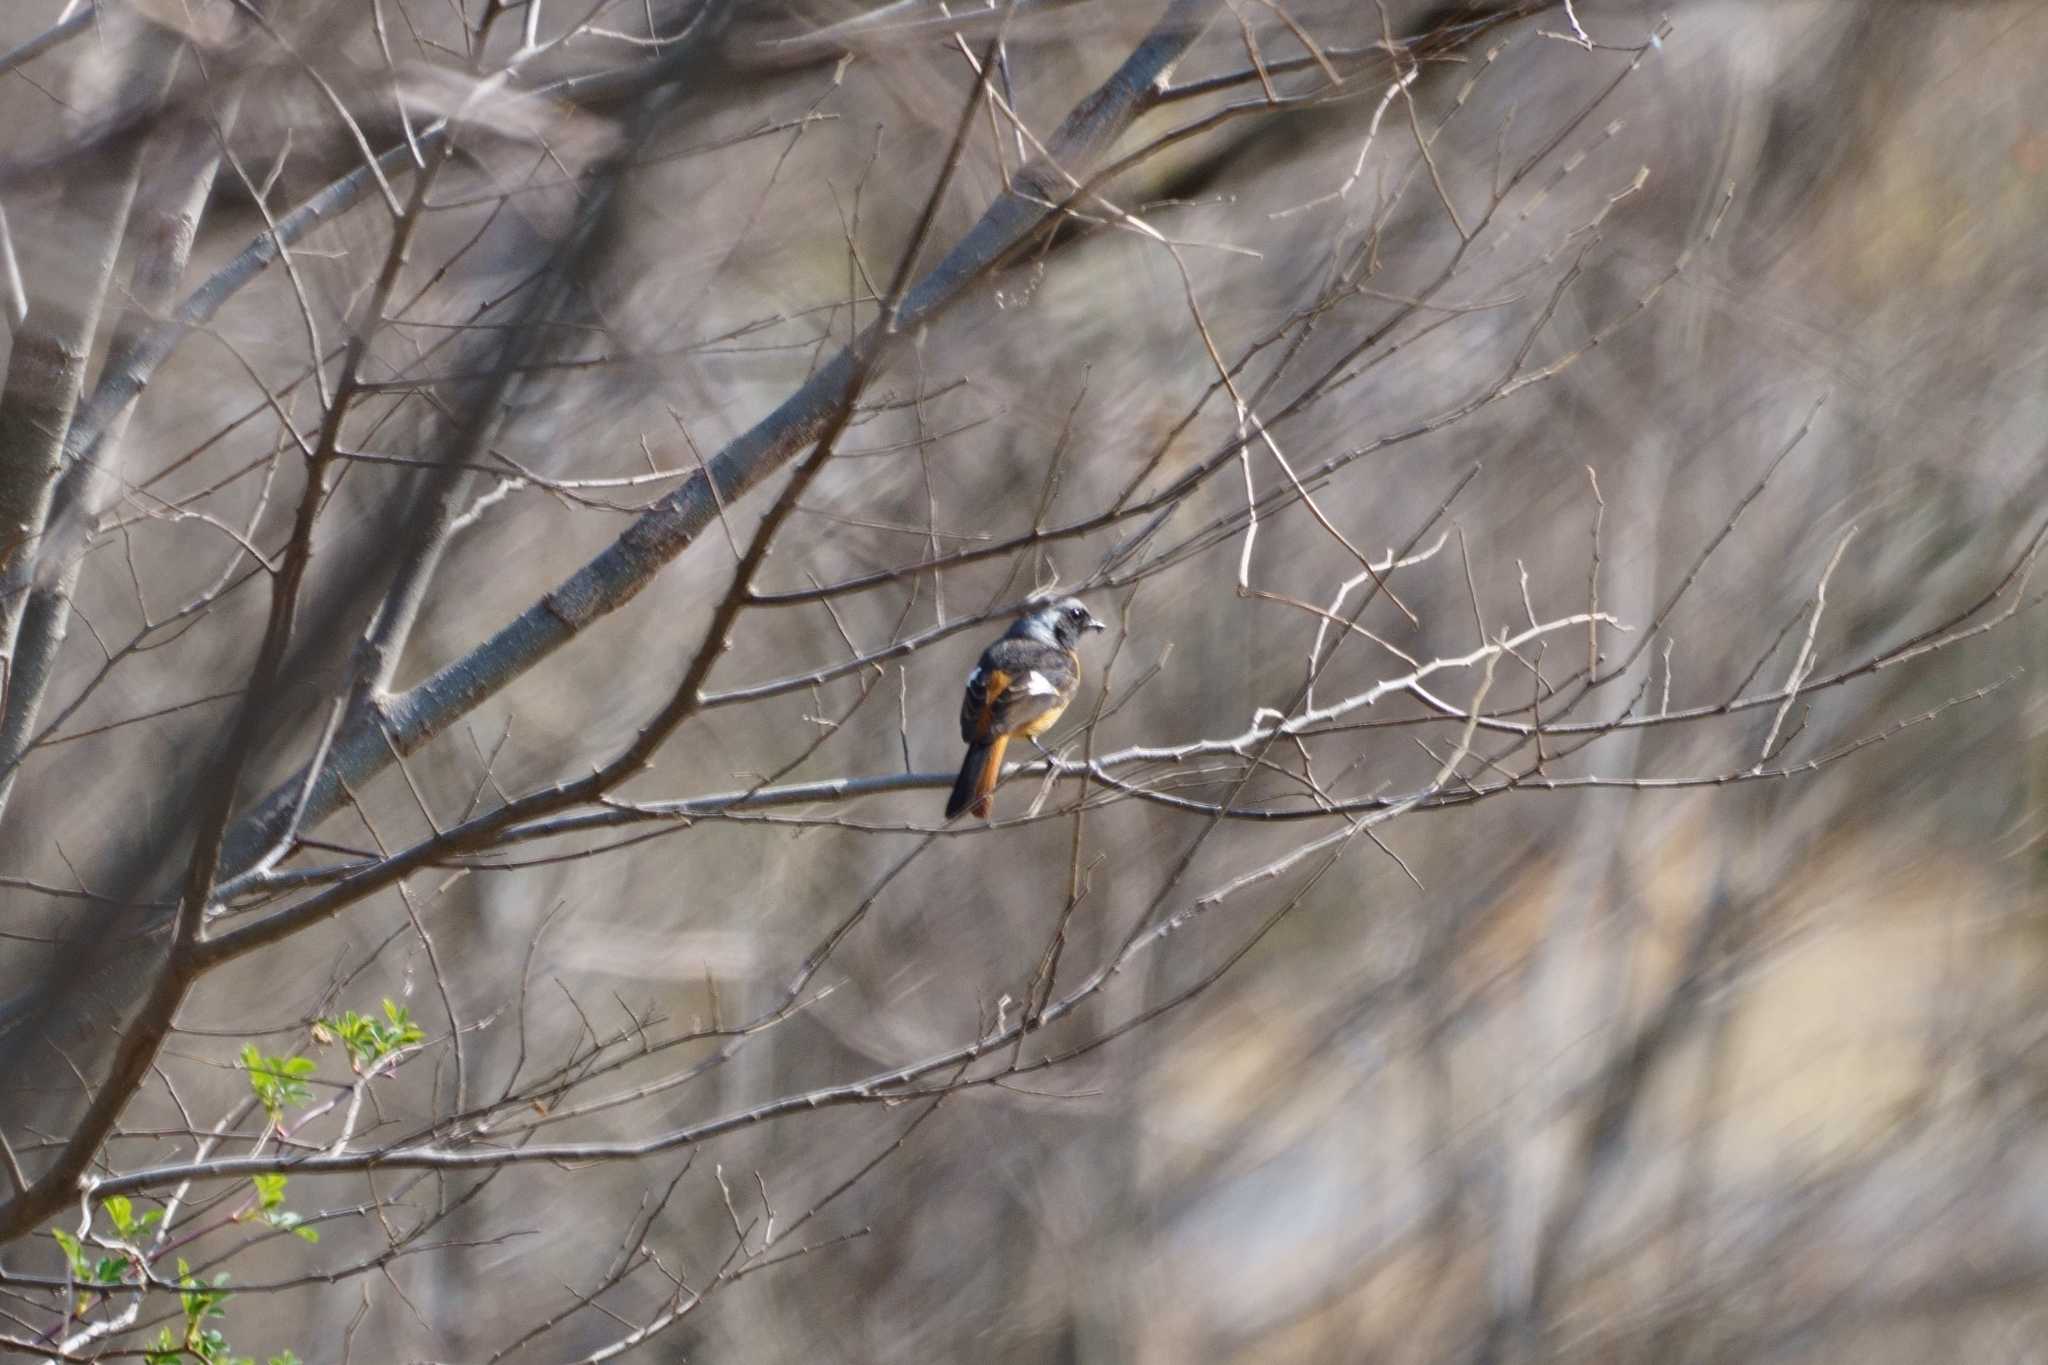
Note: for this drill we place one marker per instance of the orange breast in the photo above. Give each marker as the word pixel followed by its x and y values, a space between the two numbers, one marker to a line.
pixel 1038 725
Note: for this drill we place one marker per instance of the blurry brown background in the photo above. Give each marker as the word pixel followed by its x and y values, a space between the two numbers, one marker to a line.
pixel 1744 1072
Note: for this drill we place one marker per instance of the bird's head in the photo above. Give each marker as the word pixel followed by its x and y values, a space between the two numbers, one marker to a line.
pixel 1063 620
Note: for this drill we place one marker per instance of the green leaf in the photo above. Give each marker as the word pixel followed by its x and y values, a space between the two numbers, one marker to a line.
pixel 403 1032
pixel 305 1233
pixel 277 1082
pixel 72 1253
pixel 200 1302
pixel 122 1212
pixel 269 1189
pixel 369 1040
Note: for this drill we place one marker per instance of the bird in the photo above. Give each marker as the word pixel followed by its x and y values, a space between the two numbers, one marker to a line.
pixel 1020 686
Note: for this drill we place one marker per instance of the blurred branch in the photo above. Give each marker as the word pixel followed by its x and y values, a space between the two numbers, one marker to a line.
pixel 1711 955
pixel 62 31
pixel 166 230
pixel 173 976
pixel 45 377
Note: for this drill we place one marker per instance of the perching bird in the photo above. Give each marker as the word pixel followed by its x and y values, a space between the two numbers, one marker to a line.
pixel 1020 687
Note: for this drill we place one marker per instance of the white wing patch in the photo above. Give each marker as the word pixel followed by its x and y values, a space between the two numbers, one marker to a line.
pixel 974 678
pixel 1036 684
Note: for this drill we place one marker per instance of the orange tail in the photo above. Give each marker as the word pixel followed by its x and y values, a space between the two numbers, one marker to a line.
pixel 978 773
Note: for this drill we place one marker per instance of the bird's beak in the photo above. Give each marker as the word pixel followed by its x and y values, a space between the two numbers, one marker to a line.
pixel 1094 624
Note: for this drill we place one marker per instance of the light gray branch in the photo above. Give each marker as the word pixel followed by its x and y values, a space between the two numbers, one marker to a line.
pixel 49 38
pixel 71 260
